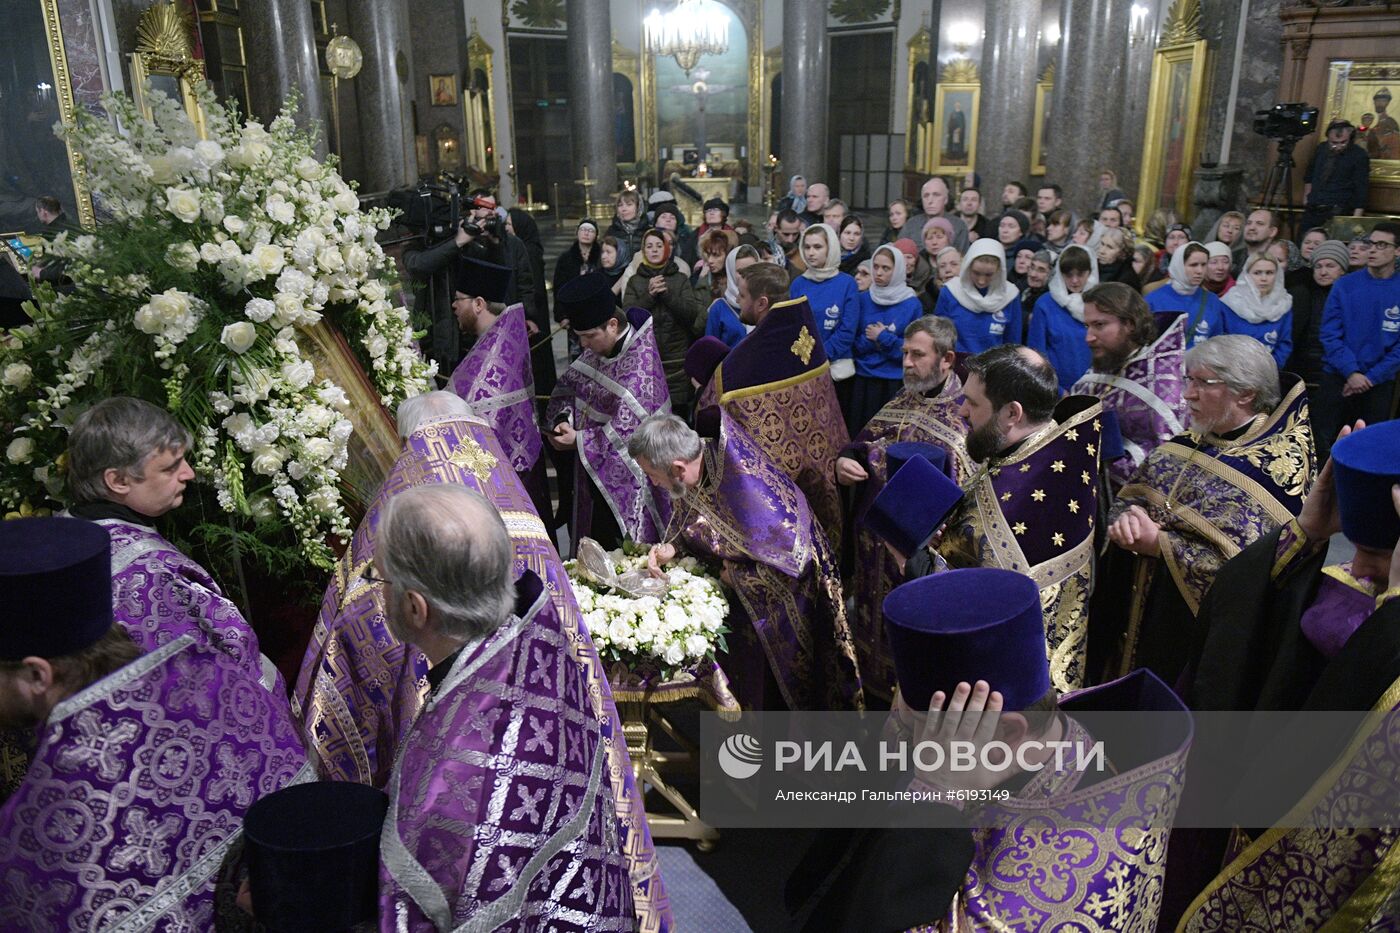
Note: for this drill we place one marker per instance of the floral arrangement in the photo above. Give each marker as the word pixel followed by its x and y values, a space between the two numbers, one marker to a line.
pixel 223 242
pixel 674 632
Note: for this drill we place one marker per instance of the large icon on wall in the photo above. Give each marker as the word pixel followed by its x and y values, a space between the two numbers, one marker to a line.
pixel 1364 93
pixel 955 118
pixel 1175 110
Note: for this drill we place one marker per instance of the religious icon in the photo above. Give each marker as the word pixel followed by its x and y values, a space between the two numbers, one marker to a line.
pixel 444 90
pixel 955 129
pixel 1363 92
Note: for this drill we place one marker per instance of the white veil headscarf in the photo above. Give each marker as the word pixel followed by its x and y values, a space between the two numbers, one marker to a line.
pixel 1248 302
pixel 999 293
pixel 1074 304
pixel 896 291
pixel 1176 269
pixel 833 253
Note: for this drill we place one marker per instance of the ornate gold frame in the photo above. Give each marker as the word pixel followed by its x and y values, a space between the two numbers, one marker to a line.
pixel 1339 74
pixel 477 118
pixel 772 67
pixel 919 51
pixel 1044 88
pixel 1181 43
pixel 63 83
pixel 958 75
pixel 165 48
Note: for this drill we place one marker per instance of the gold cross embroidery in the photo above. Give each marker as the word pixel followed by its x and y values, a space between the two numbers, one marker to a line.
pixel 475 459
pixel 802 346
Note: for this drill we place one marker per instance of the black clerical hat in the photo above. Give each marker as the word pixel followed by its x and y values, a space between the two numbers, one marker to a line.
pixel 313 856
pixel 1365 464
pixel 487 280
pixel 586 302
pixel 55 586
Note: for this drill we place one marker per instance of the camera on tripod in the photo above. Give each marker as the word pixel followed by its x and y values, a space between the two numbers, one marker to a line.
pixel 1286 121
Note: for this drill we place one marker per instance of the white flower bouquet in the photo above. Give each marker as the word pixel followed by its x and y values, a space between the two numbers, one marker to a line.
pixel 673 633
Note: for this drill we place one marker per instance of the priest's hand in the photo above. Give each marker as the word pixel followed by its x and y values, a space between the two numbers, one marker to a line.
pixel 849 471
pixel 972 715
pixel 531 327
pixel 1136 531
pixel 564 437
pixel 658 557
pixel 899 559
pixel 1319 518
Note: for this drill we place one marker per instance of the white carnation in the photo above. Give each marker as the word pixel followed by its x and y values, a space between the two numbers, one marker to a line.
pixel 259 310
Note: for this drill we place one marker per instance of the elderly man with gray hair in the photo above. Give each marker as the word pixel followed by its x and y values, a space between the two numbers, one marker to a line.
pixel 501 778
pixel 1242 469
pixel 792 646
pixel 126 469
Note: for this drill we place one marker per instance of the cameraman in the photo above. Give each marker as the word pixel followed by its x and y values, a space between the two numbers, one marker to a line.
pixel 1337 179
pixel 481 235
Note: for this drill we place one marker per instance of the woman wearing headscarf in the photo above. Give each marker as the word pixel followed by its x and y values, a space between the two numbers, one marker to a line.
pixel 796 198
pixel 864 276
pixel 1259 306
pixel 985 307
pixel 854 249
pixel 1218 278
pixel 885 310
pixel 1012 227
pixel 722 319
pixel 1184 292
pixel 1057 321
pixel 1293 268
pixel 584 255
pixel 832 294
pixel 662 288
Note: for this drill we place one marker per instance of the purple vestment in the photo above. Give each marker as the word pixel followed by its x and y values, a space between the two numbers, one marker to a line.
pixel 607 398
pixel 909 416
pixel 776 384
pixel 1148 395
pixel 360 687
pixel 749 514
pixel 159 594
pixel 135 798
pixel 501 812
pixel 1342 603
pixel 496 380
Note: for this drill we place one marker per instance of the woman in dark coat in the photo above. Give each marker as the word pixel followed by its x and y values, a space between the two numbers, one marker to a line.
pixel 678 311
pixel 541 352
pixel 584 255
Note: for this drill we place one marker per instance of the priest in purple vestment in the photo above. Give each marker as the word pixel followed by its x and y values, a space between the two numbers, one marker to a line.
pixel 127 468
pixel 501 815
pixel 616 382
pixel 131 813
pixel 734 505
pixel 360 686
pixel 495 376
pixel 1137 371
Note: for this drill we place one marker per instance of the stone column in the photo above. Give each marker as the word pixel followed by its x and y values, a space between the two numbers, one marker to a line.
pixel 280 43
pixel 804 118
pixel 1136 84
pixel 1085 117
pixel 1009 53
pixel 385 111
pixel 590 94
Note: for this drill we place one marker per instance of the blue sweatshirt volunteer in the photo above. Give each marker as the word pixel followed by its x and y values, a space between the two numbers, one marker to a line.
pixel 1361 327
pixel 836 307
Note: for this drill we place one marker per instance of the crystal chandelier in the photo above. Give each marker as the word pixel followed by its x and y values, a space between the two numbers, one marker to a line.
pixel 688 30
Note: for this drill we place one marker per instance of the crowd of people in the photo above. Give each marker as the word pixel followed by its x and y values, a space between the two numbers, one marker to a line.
pixel 998 465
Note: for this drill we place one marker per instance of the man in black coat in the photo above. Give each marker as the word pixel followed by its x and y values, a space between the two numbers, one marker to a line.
pixel 1337 180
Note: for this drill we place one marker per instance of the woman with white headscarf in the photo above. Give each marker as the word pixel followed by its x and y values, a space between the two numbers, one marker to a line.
pixel 1057 321
pixel 1260 306
pixel 832 294
pixel 796 197
pixel 1185 293
pixel 722 319
pixel 985 307
pixel 885 310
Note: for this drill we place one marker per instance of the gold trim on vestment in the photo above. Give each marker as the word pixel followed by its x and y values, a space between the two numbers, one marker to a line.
pixel 787 383
pixel 1212 464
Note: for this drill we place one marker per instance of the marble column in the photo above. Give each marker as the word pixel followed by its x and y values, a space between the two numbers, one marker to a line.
pixel 1009 52
pixel 280 43
pixel 1136 84
pixel 589 48
pixel 1085 111
pixel 804 118
pixel 382 88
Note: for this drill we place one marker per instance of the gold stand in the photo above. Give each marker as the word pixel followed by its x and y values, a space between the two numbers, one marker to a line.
pixel 639 718
pixel 587 184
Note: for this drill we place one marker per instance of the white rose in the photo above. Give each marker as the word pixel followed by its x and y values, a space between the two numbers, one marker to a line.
pixel 319 449
pixel 280 210
pixel 259 310
pixel 289 308
pixel 228 249
pixel 210 252
pixel 239 426
pixel 267 461
pixel 308 168
pixel 298 375
pixel 209 152
pixel 377 346
pixel 234 224
pixel 270 259
pixel 696 646
pixel 17 375
pixel 330 259
pixel 171 306
pixel 20 450
pixel 374 291
pixel 254 130
pixel 182 256
pixel 183 203
pixel 239 337
pixel 673 654
pixel 346 201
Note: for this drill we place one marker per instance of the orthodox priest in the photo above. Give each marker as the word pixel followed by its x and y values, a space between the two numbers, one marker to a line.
pixel 926 411
pixel 616 382
pixel 501 813
pixel 776 385
pixel 1030 505
pixel 495 378
pixel 1241 472
pixel 1136 371
pixel 360 686
pixel 130 814
pixel 734 505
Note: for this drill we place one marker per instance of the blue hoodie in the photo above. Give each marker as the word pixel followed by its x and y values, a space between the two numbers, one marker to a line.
pixel 1055 333
pixel 836 308
pixel 1361 327
pixel 1211 322
pixel 723 322
pixel 883 358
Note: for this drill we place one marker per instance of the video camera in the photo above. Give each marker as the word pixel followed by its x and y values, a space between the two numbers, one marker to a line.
pixel 1286 121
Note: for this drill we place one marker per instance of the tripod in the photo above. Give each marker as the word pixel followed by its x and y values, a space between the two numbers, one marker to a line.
pixel 1280 181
